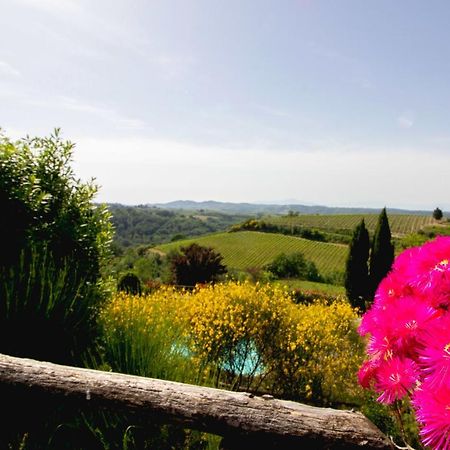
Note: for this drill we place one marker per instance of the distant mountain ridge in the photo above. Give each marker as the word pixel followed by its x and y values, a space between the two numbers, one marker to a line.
pixel 255 208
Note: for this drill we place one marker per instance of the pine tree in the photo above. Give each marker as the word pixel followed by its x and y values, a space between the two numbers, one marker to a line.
pixel 357 273
pixel 382 253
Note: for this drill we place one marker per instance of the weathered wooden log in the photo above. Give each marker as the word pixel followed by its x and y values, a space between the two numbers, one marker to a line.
pixel 245 420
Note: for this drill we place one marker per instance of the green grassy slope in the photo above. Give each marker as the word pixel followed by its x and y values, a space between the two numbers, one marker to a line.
pixel 400 224
pixel 253 249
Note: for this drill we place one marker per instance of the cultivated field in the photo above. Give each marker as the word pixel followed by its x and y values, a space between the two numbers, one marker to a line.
pixel 246 249
pixel 400 224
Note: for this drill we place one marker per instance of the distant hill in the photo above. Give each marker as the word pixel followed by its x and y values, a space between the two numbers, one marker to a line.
pixel 254 208
pixel 141 224
pixel 154 224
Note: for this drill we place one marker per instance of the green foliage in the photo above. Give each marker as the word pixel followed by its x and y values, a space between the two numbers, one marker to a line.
pixel 267 227
pixel 255 275
pixel 152 267
pixel 293 265
pixel 53 241
pixel 196 264
pixel 412 240
pixel 425 234
pixel 397 421
pixel 47 311
pixel 130 283
pixel 382 253
pixel 335 277
pixel 178 237
pixel 146 264
pixel 437 214
pixel 44 205
pixel 321 290
pixel 357 271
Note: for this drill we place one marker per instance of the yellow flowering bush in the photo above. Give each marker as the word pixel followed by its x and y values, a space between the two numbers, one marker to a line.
pixel 231 325
pixel 251 336
pixel 317 353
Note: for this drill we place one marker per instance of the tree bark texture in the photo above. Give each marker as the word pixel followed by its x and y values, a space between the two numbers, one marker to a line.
pixel 245 421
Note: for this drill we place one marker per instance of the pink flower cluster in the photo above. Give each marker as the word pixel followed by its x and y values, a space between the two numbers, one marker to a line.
pixel 409 345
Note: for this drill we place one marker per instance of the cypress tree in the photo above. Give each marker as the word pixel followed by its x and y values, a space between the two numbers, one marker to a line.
pixel 356 271
pixel 382 253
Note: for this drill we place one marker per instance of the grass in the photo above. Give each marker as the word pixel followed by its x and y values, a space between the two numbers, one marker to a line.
pixel 312 286
pixel 245 249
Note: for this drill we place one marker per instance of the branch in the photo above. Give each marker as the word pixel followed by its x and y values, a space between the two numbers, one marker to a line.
pixel 240 417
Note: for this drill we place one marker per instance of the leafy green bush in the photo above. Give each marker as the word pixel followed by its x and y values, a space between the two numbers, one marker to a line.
pixel 53 241
pixel 44 205
pixel 294 265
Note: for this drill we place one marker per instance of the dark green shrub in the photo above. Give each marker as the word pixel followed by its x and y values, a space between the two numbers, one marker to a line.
pixel 196 264
pixel 130 283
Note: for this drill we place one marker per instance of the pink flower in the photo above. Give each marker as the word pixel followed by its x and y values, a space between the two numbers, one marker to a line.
pixel 367 373
pixel 437 287
pixel 433 413
pixel 430 271
pixel 368 322
pixel 434 351
pixel 409 345
pixel 380 347
pixel 395 377
pixel 392 287
pixel 396 327
pixel 406 262
pixel 388 292
pixel 406 320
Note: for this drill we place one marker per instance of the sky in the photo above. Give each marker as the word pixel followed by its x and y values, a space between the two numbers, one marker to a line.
pixel 337 103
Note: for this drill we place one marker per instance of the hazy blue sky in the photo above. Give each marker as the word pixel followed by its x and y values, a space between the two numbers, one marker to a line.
pixel 328 102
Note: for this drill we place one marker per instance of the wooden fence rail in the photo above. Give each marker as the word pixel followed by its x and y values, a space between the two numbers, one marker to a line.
pixel 244 420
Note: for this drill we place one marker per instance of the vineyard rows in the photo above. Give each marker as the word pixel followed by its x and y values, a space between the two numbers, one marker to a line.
pixel 246 249
pixel 400 224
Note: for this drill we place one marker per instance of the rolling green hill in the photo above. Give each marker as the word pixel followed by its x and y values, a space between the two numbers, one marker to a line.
pixel 246 249
pixel 400 224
